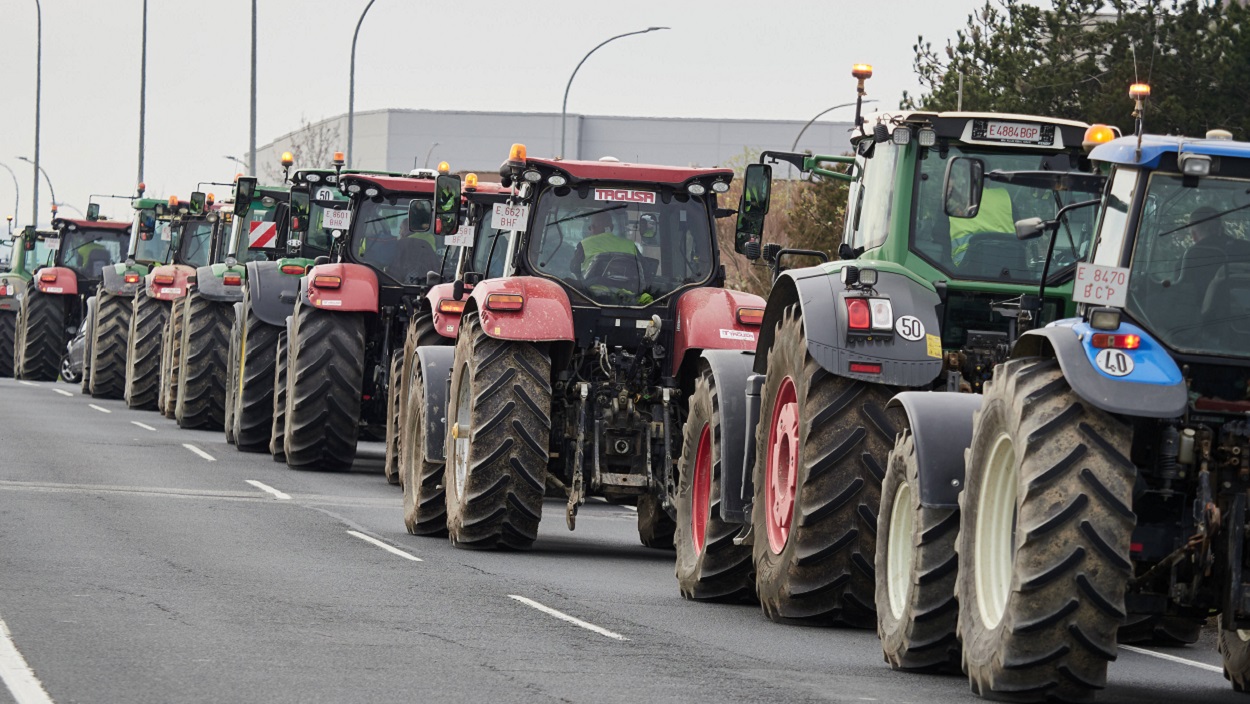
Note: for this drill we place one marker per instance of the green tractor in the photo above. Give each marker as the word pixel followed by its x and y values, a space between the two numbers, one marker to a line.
pixel 924 297
pixel 26 260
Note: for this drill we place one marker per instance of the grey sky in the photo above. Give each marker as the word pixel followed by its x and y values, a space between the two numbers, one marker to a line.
pixel 786 59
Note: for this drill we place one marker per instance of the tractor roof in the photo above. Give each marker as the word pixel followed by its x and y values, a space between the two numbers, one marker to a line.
pixel 620 171
pixel 960 126
pixel 91 224
pixel 488 188
pixel 1123 151
pixel 393 184
pixel 146 203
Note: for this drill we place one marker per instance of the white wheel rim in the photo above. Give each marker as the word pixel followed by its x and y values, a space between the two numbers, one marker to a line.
pixel 1243 635
pixel 900 549
pixel 460 441
pixel 994 549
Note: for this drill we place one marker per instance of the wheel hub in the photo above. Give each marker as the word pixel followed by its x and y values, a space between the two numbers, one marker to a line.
pixel 701 490
pixel 995 531
pixel 900 548
pixel 781 480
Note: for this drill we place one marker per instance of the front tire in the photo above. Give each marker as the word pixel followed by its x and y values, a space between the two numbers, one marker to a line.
pixel 8 343
pixel 277 433
pixel 42 335
pixel 390 466
pixel 1046 521
pixel 1234 647
pixel 143 351
pixel 201 395
pixel 108 346
pixel 324 383
pixel 420 333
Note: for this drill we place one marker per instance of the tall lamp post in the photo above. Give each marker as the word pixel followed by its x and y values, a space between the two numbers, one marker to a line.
pixel 237 160
pixel 251 148
pixel 564 107
pixel 40 170
pixel 810 122
pixel 17 193
pixel 351 88
pixel 143 88
pixel 34 209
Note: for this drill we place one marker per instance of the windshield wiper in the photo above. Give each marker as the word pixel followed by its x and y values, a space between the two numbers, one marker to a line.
pixel 1217 216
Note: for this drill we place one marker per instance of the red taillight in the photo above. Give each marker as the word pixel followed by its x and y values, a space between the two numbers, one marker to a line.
pixel 162 279
pixel 296 269
pixel 865 368
pixel 327 281
pixel 858 314
pixel 505 301
pixel 131 278
pixel 448 305
pixel 48 277
pixel 232 280
pixel 1107 341
pixel 751 316
pixel 1135 547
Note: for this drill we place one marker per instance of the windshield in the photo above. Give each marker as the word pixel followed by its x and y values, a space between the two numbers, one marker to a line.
pixel 37 258
pixel 195 247
pixel 88 251
pixel 257 217
pixel 153 237
pixel 382 240
pixel 318 236
pixel 1190 273
pixel 491 248
pixel 985 247
pixel 621 247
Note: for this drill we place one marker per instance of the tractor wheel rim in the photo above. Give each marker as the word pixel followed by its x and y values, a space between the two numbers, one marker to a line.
pixel 995 531
pixel 1243 635
pixel 900 548
pixel 782 466
pixel 701 490
pixel 460 440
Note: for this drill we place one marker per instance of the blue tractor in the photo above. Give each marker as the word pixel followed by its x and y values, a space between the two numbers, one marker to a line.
pixel 1103 476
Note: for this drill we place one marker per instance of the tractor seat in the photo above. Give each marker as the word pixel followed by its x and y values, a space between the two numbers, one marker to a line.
pixel 994 255
pixel 96 263
pixel 1226 305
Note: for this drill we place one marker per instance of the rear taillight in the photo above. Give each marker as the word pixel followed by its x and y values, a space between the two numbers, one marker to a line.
pixel 327 281
pixel 48 277
pixel 1104 341
pixel 232 280
pixel 162 279
pixel 295 269
pixel 505 301
pixel 448 305
pixel 131 278
pixel 858 314
pixel 865 368
pixel 751 316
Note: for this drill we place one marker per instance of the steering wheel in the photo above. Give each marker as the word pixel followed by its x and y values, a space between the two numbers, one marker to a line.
pixel 615 270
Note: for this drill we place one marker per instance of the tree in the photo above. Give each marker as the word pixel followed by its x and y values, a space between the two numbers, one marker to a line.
pixel 312 145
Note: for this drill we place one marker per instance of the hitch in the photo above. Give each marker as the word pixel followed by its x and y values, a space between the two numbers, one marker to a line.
pixel 577 490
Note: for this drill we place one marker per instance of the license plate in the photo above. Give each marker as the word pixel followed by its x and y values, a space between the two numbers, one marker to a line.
pixel 1013 132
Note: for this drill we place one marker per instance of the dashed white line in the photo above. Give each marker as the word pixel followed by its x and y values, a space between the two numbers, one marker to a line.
pixel 384 546
pixel 266 488
pixel 1173 658
pixel 102 410
pixel 145 426
pixel 199 452
pixel 63 392
pixel 16 673
pixel 570 619
pixel 28 383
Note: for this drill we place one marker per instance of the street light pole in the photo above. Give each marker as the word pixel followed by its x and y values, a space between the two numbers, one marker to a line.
pixel 564 107
pixel 428 153
pixel 143 88
pixel 236 160
pixel 351 88
pixel 34 209
pixel 40 170
pixel 251 151
pixel 17 193
pixel 819 115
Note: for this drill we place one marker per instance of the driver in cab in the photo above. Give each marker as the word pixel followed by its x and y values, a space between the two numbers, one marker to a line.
pixel 604 241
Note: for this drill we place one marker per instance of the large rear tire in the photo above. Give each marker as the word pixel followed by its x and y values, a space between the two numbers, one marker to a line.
pixel 822 443
pixel 143 351
pixel 394 387
pixel 425 503
pixel 8 343
pixel 201 401
pixel 171 357
pixel 108 346
pixel 42 334
pixel 499 432
pixel 1159 629
pixel 85 377
pixel 254 404
pixel 1234 648
pixel 420 333
pixel 231 421
pixel 1046 519
pixel 324 383
pixel 277 428
pixel 917 615
pixel 709 565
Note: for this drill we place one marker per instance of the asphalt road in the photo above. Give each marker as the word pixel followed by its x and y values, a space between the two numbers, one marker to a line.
pixel 135 569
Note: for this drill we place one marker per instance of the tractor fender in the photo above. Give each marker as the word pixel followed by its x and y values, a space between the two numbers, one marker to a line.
pixel 445 324
pixel 14 288
pixel 272 293
pixel 1155 388
pixel 707 319
pixel 65 283
pixel 210 282
pixel 545 316
pixel 436 362
pixel 730 370
pixel 114 279
pixel 941 427
pixel 172 290
pixel 820 294
pixel 357 291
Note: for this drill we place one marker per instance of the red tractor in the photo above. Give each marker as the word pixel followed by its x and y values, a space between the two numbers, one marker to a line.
pixel 572 367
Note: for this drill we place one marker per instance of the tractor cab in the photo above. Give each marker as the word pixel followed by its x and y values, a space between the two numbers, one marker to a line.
pixel 260 222
pixel 30 252
pixel 82 250
pixel 318 208
pixel 193 233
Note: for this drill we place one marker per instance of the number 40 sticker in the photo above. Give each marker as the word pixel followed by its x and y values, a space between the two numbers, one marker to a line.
pixel 1114 362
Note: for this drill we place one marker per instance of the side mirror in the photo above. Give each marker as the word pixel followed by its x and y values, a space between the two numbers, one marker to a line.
pixel 198 202
pixel 961 189
pixel 1030 228
pixel 753 206
pixel 446 205
pixel 299 211
pixel 420 215
pixel 244 193
pixel 93 211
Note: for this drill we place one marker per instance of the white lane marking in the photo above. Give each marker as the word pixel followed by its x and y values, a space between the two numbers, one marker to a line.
pixel 1173 658
pixel 384 546
pixel 16 673
pixel 145 426
pixel 199 452
pixel 632 508
pixel 102 410
pixel 28 383
pixel 63 392
pixel 266 488
pixel 565 617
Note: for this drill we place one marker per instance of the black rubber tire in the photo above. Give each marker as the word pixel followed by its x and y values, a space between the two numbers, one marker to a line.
pixel 425 503
pixel 722 570
pixel 420 333
pixel 256 367
pixel 277 427
pixel 1160 630
pixel 1069 555
pixel 171 356
pixel 201 401
pixel 325 380
pixel 8 342
pixel 501 390
pixel 42 335
pixel 655 527
pixel 1235 652
pixel 231 421
pixel 394 387
pixel 919 633
pixel 143 351
pixel 824 571
pixel 108 345
pixel 84 379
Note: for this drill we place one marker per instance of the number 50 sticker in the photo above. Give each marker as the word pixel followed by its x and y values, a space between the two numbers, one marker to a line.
pixel 1114 362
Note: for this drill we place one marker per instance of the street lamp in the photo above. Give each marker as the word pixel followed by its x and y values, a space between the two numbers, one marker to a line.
pixel 238 161
pixel 17 194
pixel 564 107
pixel 819 115
pixel 143 88
pixel 34 210
pixel 427 155
pixel 40 170
pixel 251 152
pixel 351 89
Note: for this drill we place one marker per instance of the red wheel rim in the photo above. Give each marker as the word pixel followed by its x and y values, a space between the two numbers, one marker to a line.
pixel 783 463
pixel 701 491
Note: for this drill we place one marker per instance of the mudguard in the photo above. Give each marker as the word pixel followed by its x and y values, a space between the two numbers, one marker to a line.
pixel 171 290
pixel 436 362
pixel 272 293
pixel 1152 388
pixel 211 284
pixel 707 319
pixel 941 427
pixel 114 280
pixel 65 283
pixel 821 295
pixel 546 315
pixel 445 324
pixel 357 291
pixel 12 289
pixel 730 369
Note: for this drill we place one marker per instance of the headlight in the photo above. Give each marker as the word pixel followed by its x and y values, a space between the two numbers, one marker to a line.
pixel 720 186
pixel 556 180
pixel 372 192
pixel 312 178
pixel 696 189
pixel 532 176
pixel 901 135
